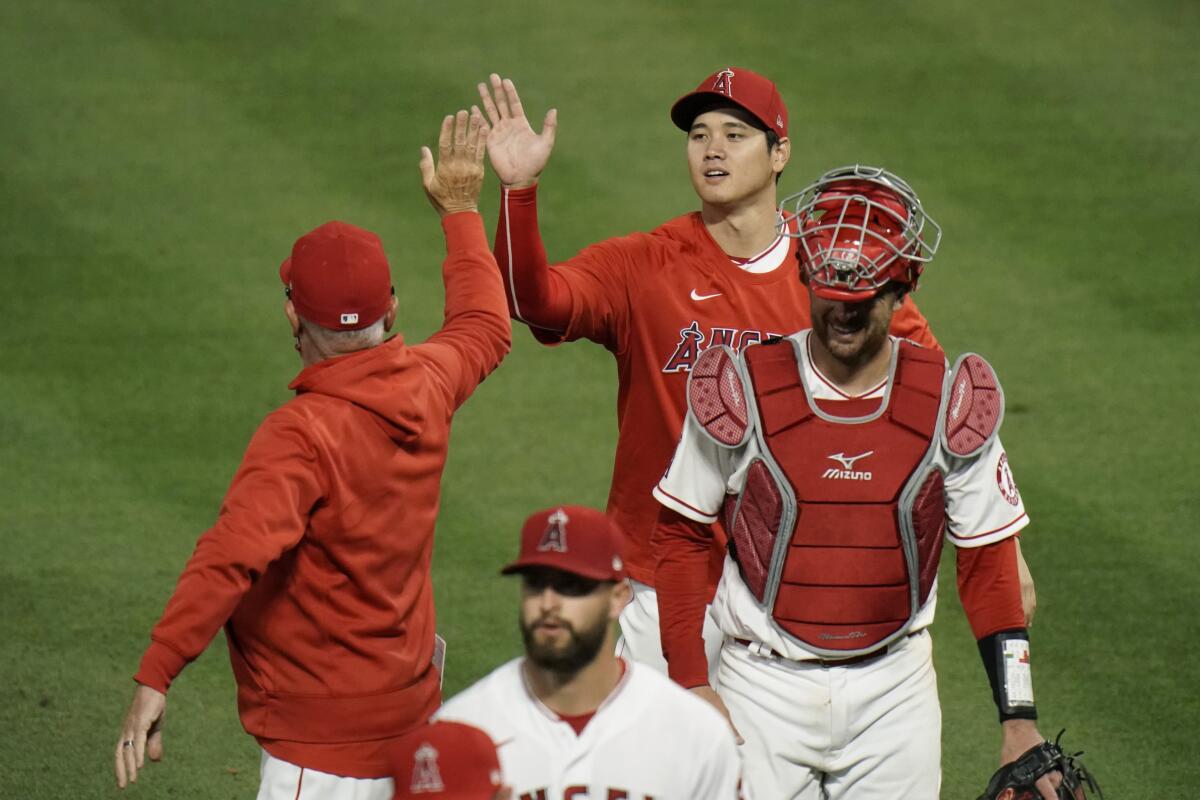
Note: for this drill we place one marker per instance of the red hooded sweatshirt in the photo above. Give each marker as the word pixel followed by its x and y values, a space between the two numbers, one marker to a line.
pixel 319 563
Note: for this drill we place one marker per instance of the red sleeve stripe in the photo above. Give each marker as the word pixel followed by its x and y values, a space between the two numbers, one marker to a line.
pixel 1022 518
pixel 512 284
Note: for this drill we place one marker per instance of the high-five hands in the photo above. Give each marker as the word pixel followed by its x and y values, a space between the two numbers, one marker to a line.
pixel 517 153
pixel 453 184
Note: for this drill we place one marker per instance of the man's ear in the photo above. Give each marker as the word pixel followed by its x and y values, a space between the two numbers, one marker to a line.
pixel 290 311
pixel 389 319
pixel 780 155
pixel 621 595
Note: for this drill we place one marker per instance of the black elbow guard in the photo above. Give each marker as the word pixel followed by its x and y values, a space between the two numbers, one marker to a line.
pixel 1006 658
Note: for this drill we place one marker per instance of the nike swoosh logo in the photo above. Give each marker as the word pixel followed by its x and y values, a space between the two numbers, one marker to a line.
pixel 699 297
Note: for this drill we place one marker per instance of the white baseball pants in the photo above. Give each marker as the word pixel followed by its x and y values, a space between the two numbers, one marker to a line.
pixel 282 780
pixel 640 638
pixel 870 731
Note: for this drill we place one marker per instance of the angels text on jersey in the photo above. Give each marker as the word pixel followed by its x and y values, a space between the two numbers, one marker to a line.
pixel 693 342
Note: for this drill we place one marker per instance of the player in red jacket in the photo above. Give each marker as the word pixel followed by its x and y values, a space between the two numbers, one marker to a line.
pixel 318 565
pixel 722 275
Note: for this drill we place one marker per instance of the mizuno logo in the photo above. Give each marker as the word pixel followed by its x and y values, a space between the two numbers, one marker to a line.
pixel 847 472
pixel 848 461
pixel 699 297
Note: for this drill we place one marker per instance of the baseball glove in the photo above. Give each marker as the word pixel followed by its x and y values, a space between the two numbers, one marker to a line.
pixel 1015 780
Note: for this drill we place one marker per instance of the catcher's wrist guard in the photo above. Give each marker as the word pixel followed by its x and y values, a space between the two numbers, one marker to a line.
pixel 1021 776
pixel 1006 658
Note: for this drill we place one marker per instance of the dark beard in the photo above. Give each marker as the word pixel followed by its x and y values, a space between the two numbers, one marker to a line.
pixel 580 651
pixel 874 340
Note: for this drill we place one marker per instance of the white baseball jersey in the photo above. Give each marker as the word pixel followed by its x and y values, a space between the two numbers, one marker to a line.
pixel 982 503
pixel 649 740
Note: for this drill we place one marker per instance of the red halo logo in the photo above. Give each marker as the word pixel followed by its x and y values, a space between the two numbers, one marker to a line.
pixel 1005 481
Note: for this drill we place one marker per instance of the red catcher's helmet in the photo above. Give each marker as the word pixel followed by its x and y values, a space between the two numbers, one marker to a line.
pixel 859 228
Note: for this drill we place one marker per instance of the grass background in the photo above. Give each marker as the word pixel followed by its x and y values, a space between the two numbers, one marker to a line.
pixel 158 159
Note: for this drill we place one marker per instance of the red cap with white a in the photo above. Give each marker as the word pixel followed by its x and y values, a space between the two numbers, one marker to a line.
pixel 574 539
pixel 338 277
pixel 446 761
pixel 740 87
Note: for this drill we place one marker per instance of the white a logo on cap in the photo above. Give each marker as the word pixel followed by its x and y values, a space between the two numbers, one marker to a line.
pixel 349 319
pixel 555 536
pixel 425 776
pixel 724 82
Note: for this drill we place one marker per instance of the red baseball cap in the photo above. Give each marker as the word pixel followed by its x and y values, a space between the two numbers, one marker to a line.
pixel 446 761
pixel 338 277
pixel 740 87
pixel 575 539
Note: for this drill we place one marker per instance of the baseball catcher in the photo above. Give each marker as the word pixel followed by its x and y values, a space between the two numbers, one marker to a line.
pixel 1018 779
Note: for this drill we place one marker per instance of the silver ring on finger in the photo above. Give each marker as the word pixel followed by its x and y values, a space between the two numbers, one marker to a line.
pixel 127 743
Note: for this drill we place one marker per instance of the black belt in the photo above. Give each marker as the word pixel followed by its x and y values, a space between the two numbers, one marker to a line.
pixel 849 661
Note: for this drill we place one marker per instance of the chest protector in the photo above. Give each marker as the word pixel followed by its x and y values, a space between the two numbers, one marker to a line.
pixel 840 527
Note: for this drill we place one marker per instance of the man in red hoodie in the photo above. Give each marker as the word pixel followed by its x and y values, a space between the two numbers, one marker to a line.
pixel 318 565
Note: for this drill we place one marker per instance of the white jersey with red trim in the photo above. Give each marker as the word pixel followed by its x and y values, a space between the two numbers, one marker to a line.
pixel 649 740
pixel 982 502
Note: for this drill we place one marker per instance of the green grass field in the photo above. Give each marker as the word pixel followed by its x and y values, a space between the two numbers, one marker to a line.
pixel 158 160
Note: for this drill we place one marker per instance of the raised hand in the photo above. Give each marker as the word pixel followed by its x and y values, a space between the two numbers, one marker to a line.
pixel 453 184
pixel 517 153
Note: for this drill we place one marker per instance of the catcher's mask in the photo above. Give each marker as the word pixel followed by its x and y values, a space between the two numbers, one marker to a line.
pixel 859 228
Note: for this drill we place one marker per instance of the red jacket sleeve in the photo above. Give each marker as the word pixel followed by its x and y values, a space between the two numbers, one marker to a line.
pixel 265 514
pixel 535 295
pixel 475 333
pixel 910 323
pixel 990 587
pixel 681 580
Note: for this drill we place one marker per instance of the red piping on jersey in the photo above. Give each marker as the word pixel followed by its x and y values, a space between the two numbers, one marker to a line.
pixel 744 262
pixel 1004 527
pixel 553 715
pixel 299 784
pixel 686 505
pixel 827 382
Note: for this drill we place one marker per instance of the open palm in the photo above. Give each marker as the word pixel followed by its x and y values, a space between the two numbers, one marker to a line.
pixel 518 153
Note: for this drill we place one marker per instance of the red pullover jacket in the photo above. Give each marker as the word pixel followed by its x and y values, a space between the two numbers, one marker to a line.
pixel 319 563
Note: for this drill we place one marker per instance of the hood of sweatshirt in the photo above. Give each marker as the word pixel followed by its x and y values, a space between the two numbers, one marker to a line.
pixel 382 380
